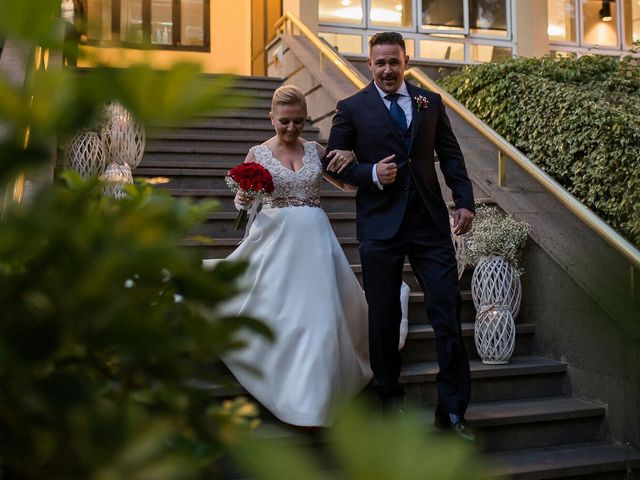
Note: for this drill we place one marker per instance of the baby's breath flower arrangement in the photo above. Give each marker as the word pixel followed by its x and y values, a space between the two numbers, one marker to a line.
pixel 495 233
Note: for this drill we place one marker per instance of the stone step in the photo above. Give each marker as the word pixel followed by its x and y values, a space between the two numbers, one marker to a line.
pixel 221 225
pixel 418 314
pixel 420 343
pixel 585 461
pixel 535 422
pixel 175 158
pixel 333 200
pixel 256 83
pixel 194 178
pixel 226 125
pixel 221 248
pixel 523 377
pixel 189 139
pixel 410 279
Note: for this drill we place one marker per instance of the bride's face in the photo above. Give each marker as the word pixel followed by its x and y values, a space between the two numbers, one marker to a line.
pixel 288 121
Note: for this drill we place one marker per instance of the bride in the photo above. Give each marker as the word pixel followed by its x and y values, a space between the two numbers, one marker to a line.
pixel 299 283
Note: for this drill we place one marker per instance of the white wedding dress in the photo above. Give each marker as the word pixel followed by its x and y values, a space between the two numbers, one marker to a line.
pixel 301 285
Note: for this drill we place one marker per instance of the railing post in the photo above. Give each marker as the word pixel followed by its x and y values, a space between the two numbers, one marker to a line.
pixel 634 283
pixel 502 169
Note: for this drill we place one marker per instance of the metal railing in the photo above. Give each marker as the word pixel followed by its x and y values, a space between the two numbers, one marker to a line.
pixel 288 21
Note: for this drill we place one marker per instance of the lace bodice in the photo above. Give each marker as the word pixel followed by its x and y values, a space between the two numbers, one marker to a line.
pixel 292 188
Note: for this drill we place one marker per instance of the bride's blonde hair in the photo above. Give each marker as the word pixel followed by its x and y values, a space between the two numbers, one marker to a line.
pixel 288 95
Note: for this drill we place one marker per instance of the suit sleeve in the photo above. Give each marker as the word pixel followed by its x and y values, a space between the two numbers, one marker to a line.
pixel 343 137
pixel 452 161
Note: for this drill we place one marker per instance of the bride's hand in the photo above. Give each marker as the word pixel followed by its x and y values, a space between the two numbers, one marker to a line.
pixel 340 159
pixel 242 200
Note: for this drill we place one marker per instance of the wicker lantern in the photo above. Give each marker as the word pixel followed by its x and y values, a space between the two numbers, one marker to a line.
pixel 86 155
pixel 496 281
pixel 115 178
pixel 123 136
pixel 494 334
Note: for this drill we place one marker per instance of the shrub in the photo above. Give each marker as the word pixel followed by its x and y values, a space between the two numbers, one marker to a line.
pixel 576 118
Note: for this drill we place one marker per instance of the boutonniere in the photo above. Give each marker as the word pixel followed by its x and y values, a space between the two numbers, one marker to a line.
pixel 421 102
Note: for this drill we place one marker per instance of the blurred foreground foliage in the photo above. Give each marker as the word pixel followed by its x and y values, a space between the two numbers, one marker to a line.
pixel 104 320
pixel 108 328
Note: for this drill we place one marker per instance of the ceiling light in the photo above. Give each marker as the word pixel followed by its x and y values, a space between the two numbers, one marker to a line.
pixel 605 11
pixel 398 8
pixel 345 3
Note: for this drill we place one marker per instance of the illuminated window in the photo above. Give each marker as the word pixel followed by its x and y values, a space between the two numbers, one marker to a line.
pixel 343 43
pixel 437 50
pixel 631 22
pixel 340 11
pixel 488 17
pixel 444 15
pixel 490 53
pixel 561 25
pixel 175 24
pixel 600 22
pixel 391 13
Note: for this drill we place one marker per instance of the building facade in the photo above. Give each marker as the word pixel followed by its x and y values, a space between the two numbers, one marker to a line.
pixel 231 35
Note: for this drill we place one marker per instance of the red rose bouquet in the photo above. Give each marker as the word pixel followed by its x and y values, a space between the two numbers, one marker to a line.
pixel 254 180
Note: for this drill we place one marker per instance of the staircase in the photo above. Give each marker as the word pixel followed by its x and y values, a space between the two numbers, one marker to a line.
pixel 529 425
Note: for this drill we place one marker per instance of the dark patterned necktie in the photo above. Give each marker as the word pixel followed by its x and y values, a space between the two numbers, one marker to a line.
pixel 397 114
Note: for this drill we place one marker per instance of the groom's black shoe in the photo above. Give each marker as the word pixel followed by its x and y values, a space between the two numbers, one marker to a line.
pixel 456 424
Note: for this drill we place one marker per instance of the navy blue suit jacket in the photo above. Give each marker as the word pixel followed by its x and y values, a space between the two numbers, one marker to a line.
pixel 362 123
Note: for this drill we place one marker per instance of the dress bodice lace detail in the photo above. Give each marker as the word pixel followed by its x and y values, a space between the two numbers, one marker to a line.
pixel 292 189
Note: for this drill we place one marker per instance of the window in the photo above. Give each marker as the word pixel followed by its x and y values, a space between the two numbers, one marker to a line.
pixel 436 50
pixel 490 53
pixel 561 26
pixel 164 24
pixel 391 13
pixel 443 15
pixel 631 22
pixel 488 17
pixel 343 43
pixel 600 22
pixel 340 11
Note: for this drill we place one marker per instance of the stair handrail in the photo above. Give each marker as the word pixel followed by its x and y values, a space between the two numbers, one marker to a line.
pixel 286 23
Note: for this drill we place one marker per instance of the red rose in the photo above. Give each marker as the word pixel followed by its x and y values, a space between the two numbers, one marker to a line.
pixel 256 186
pixel 245 183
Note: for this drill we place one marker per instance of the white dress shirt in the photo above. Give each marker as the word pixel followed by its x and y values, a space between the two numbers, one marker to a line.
pixel 404 101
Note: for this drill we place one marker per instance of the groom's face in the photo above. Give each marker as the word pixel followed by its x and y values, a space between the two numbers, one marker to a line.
pixel 387 64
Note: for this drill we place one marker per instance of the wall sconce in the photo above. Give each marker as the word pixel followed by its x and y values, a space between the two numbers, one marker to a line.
pixel 605 11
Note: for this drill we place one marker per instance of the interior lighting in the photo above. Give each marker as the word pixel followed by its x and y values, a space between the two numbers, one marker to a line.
pixel 605 11
pixel 345 3
pixel 383 15
pixel 398 8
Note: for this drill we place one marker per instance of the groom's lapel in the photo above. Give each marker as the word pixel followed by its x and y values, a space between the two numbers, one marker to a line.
pixel 380 110
pixel 416 115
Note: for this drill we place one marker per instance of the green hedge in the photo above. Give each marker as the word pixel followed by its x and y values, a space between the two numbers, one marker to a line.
pixel 577 118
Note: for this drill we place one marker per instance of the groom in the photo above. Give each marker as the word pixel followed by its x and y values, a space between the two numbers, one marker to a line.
pixel 394 127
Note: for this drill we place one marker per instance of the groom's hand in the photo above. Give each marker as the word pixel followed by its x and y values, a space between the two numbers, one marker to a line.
pixel 386 170
pixel 462 221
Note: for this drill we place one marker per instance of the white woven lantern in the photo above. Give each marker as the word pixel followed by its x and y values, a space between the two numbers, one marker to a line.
pixel 458 246
pixel 496 281
pixel 123 136
pixel 86 155
pixel 115 178
pixel 495 334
